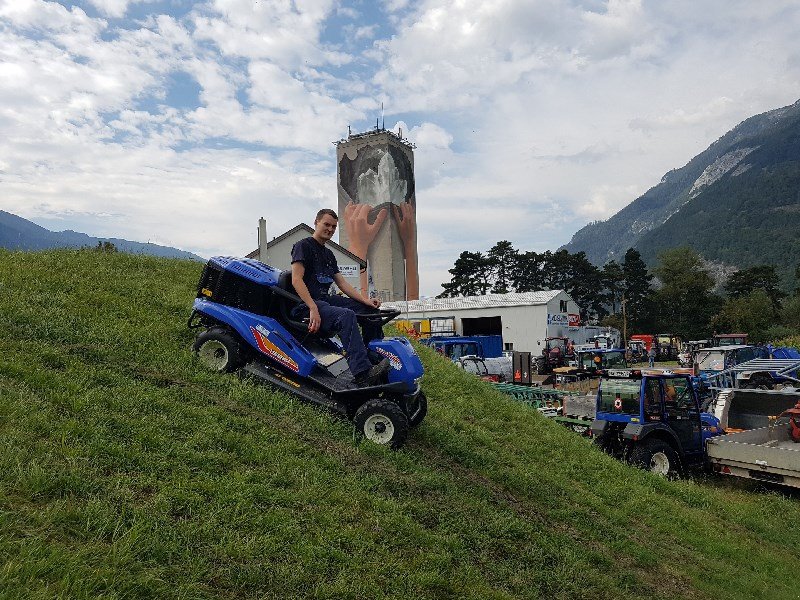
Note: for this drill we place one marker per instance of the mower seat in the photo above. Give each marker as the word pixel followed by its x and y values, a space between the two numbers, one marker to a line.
pixel 288 300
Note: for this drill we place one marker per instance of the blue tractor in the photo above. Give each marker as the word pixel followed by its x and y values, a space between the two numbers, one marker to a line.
pixel 653 422
pixel 243 314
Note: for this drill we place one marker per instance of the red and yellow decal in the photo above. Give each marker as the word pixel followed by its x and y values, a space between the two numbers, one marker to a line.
pixel 267 347
pixel 394 360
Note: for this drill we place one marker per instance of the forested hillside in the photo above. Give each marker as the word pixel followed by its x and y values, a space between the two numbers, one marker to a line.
pixel 737 202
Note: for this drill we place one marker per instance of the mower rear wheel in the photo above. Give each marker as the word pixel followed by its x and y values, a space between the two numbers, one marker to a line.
pixel 417 410
pixel 218 350
pixel 382 422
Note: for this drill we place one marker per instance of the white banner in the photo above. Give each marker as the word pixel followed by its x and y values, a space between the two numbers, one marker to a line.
pixel 349 271
pixel 560 319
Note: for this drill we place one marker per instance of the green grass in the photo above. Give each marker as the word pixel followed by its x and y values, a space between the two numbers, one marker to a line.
pixel 126 471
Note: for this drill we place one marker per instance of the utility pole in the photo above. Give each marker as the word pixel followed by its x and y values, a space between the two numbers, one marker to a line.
pixel 624 324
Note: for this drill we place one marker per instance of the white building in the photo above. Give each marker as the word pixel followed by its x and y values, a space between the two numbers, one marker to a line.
pixel 522 319
pixel 279 254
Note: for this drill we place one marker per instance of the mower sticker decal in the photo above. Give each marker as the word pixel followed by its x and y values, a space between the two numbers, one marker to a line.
pixel 261 336
pixel 394 360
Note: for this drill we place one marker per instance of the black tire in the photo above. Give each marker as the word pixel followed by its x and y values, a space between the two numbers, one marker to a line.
pixel 382 422
pixel 656 456
pixel 417 410
pixel 219 350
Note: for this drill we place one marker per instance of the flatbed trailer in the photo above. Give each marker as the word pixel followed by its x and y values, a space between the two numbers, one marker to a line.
pixel 574 410
pixel 765 454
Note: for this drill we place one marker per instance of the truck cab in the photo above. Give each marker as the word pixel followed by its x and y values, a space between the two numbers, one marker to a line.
pixel 652 421
pixel 455 348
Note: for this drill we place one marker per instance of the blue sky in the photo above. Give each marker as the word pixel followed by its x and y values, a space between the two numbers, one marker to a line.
pixel 181 123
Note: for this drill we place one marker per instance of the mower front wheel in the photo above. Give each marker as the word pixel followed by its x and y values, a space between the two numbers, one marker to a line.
pixel 218 350
pixel 382 422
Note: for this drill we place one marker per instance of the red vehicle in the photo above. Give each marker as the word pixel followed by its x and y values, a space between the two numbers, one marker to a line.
pixel 646 339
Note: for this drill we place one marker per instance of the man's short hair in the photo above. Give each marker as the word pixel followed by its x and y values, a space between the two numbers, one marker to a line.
pixel 326 211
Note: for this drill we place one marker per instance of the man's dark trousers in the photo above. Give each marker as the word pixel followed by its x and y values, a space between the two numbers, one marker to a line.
pixel 338 314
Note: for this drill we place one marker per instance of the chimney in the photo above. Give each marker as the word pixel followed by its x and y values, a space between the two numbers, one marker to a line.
pixel 262 240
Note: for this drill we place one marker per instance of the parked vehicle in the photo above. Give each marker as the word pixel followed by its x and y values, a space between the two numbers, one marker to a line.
pixel 767 454
pixel 686 355
pixel 653 422
pixel 591 363
pixel 454 347
pixel 496 369
pixel 729 339
pixel 637 351
pixel 666 344
pixel 669 345
pixel 770 368
pixel 709 361
pixel 741 408
pixel 555 353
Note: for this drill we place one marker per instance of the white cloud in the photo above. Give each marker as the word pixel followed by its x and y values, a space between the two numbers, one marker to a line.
pixel 530 117
pixel 111 8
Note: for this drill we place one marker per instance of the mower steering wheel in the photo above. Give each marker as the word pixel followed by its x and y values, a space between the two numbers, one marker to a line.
pixel 380 318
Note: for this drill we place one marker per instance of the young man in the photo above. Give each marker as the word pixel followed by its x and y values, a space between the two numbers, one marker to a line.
pixel 314 269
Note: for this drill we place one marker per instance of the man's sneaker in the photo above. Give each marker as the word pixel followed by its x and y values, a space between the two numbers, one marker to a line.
pixel 372 376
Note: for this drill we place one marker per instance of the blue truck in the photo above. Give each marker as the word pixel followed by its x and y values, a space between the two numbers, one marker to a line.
pixel 455 347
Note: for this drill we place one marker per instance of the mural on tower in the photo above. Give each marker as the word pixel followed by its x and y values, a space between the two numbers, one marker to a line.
pixel 377 211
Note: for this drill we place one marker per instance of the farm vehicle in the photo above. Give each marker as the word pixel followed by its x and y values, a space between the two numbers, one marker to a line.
pixel 489 369
pixel 556 353
pixel 666 345
pixel 655 422
pixel 245 319
pixel 736 366
pixel 591 364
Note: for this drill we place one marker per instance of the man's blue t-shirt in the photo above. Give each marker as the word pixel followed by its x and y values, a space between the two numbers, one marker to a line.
pixel 319 263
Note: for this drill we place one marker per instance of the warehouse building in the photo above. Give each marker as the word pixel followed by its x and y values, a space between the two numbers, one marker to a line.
pixel 522 319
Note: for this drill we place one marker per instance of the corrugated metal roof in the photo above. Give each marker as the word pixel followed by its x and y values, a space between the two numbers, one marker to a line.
pixel 467 302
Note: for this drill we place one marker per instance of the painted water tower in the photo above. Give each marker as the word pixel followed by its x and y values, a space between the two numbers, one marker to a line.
pixel 377 210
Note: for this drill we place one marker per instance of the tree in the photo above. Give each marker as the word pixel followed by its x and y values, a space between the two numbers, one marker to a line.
pixel 585 285
pixel 754 314
pixel 614 282
pixel 684 304
pixel 502 258
pixel 471 276
pixel 638 304
pixel 527 274
pixel 763 277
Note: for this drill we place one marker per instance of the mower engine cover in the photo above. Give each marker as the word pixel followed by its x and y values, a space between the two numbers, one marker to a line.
pixel 404 362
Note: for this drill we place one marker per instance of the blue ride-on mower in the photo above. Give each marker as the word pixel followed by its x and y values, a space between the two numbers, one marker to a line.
pixel 244 314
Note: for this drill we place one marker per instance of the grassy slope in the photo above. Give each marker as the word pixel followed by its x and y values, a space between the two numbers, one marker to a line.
pixel 126 471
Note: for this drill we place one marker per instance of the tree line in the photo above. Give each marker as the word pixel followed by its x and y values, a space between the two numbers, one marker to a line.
pixel 678 296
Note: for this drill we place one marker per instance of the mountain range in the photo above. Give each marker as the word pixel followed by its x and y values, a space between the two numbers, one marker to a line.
pixel 737 203
pixel 17 233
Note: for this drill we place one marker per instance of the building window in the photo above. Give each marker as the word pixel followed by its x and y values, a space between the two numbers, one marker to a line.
pixel 509 346
pixel 563 306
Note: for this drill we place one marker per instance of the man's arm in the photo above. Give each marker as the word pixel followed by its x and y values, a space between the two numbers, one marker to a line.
pixel 350 291
pixel 314 320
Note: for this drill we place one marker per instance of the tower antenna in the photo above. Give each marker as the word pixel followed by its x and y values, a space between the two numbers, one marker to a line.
pixel 383 120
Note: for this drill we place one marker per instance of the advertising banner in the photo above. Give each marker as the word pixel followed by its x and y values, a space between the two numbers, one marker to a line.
pixel 574 320
pixel 559 319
